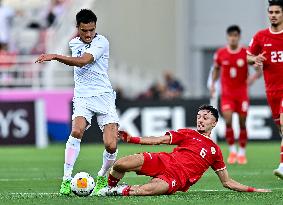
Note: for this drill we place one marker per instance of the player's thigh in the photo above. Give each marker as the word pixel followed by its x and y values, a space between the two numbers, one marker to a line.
pixel 274 100
pixel 82 115
pixel 129 163
pixel 228 116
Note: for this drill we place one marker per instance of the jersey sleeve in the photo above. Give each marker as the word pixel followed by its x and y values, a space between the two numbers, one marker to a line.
pixel 176 137
pixel 254 46
pixel 216 59
pixel 218 164
pixel 97 49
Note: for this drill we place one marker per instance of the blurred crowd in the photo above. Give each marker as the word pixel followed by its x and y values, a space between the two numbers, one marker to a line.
pixel 36 21
pixel 168 89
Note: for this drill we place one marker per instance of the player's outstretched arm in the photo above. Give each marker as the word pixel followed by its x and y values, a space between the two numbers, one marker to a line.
pixel 86 58
pixel 254 77
pixel 144 140
pixel 229 183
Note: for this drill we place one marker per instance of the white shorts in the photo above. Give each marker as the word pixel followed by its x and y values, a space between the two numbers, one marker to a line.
pixel 103 106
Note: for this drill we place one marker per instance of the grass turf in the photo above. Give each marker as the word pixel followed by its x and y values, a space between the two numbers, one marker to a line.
pixel 33 176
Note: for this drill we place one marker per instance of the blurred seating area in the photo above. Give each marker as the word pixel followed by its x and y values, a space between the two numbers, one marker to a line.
pixel 33 27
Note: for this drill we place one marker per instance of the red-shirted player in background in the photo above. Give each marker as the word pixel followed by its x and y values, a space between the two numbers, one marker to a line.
pixel 266 53
pixel 178 170
pixel 230 63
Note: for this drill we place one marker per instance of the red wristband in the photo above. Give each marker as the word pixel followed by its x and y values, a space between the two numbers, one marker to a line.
pixel 135 140
pixel 250 189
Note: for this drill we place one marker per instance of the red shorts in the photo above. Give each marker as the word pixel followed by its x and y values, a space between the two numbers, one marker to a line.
pixel 154 167
pixel 239 105
pixel 275 101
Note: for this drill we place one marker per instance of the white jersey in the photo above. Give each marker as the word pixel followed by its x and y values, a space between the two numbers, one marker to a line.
pixel 91 79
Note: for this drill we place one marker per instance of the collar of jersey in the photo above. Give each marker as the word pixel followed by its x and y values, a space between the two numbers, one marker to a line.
pixel 273 32
pixel 203 135
pixel 234 51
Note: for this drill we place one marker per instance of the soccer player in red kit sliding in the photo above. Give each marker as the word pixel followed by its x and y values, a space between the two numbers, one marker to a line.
pixel 230 63
pixel 178 170
pixel 266 53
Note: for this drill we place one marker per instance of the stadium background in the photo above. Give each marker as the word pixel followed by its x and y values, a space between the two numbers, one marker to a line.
pixel 148 38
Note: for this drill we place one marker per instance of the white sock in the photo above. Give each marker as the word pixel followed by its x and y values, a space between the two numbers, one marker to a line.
pixel 281 166
pixel 242 151
pixel 232 148
pixel 108 161
pixel 71 153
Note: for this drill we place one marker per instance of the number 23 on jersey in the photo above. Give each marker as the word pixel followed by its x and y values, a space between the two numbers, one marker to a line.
pixel 276 56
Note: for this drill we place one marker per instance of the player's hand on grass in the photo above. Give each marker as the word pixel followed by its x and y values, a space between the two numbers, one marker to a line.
pixel 123 135
pixel 262 190
pixel 45 57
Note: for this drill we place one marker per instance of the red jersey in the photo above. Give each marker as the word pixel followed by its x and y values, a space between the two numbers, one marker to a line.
pixel 233 71
pixel 194 154
pixel 271 43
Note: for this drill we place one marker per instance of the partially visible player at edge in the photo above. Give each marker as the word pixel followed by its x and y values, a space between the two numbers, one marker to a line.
pixel 93 94
pixel 178 170
pixel 266 53
pixel 230 63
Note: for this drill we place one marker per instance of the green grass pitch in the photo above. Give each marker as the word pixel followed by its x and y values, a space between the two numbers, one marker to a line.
pixel 33 176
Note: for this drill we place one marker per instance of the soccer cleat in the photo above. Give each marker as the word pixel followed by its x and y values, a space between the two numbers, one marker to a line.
pixel 65 187
pixel 232 158
pixel 278 172
pixel 114 191
pixel 242 160
pixel 101 182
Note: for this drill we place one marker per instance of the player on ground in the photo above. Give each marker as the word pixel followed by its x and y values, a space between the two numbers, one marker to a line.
pixel 178 170
pixel 266 53
pixel 93 94
pixel 231 65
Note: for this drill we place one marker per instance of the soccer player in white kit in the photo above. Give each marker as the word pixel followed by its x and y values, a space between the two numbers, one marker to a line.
pixel 93 95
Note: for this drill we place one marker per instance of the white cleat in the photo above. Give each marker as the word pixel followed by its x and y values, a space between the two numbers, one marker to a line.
pixel 112 191
pixel 278 172
pixel 103 191
pixel 117 190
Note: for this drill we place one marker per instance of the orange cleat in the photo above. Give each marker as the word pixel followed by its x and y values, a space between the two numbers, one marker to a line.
pixel 232 158
pixel 242 160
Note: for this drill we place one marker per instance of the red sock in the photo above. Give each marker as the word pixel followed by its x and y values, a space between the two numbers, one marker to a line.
pixel 243 139
pixel 112 181
pixel 126 191
pixel 281 154
pixel 230 136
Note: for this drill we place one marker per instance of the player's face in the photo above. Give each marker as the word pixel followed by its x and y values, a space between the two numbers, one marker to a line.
pixel 87 31
pixel 275 15
pixel 205 121
pixel 233 39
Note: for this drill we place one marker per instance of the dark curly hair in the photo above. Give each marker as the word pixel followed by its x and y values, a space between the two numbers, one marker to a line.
pixel 85 16
pixel 211 109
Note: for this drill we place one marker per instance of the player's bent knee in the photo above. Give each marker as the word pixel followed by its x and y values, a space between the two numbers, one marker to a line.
pixel 120 165
pixel 111 148
pixel 77 133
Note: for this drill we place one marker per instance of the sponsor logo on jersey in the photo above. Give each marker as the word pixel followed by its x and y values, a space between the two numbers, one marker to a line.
pixel 267 45
pixel 240 62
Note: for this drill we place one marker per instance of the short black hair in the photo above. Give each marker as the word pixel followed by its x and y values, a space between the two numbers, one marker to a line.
pixel 233 28
pixel 276 3
pixel 85 16
pixel 211 109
